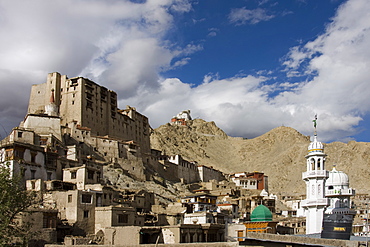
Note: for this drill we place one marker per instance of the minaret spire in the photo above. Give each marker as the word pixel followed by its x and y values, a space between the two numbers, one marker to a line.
pixel 315 124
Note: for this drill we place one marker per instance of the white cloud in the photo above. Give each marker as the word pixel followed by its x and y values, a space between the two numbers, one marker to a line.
pixel 119 43
pixel 212 32
pixel 339 91
pixel 181 62
pixel 243 16
pixel 263 2
pixel 136 63
pixel 341 62
pixel 122 46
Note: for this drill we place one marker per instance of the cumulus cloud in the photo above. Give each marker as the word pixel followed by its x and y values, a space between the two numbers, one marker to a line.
pixel 340 58
pixel 338 61
pixel 119 43
pixel 122 45
pixel 213 100
pixel 241 16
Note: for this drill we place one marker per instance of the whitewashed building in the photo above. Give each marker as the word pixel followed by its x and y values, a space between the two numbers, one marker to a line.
pixel 315 176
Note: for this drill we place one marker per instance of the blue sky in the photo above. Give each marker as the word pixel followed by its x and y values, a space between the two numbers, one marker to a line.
pixel 246 46
pixel 249 65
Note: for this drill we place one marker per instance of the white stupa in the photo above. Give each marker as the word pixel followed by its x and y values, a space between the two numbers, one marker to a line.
pixel 51 109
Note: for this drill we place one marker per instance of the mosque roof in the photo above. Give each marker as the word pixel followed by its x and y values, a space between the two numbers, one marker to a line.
pixel 261 213
pixel 337 178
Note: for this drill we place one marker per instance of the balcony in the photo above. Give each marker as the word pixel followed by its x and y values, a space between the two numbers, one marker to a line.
pixel 315 202
pixel 340 192
pixel 315 174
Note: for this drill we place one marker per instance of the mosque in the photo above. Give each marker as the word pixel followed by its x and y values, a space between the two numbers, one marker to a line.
pixel 261 221
pixel 327 204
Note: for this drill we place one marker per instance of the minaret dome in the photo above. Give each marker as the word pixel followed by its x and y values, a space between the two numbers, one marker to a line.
pixel 315 146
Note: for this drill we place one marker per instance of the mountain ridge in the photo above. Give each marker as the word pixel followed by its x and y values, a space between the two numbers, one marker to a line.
pixel 279 153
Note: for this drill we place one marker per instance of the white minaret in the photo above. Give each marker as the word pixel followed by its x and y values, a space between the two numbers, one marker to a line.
pixel 315 177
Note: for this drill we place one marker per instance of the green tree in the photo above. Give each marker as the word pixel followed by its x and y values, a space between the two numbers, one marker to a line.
pixel 14 200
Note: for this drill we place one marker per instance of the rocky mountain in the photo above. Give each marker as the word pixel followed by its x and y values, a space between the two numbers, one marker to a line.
pixel 279 153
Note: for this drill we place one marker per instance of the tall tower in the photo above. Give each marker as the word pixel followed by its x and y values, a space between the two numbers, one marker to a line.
pixel 315 177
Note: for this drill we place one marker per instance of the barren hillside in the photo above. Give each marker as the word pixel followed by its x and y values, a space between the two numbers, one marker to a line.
pixel 280 154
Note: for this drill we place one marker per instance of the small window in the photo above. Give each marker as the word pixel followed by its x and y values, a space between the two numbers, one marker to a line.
pixel 69 198
pixel 33 174
pixel 33 157
pixel 90 174
pixel 73 175
pixel 20 134
pixel 86 198
pixel 122 218
pixel 86 213
pixel 33 184
pixel 49 220
pixel 48 176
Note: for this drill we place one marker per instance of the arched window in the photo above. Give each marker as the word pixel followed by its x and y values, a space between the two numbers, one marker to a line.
pixel 312 164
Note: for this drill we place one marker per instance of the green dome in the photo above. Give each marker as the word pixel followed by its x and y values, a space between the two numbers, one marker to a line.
pixel 261 213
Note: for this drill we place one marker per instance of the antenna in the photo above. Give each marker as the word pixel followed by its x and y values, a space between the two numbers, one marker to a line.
pixel 4 132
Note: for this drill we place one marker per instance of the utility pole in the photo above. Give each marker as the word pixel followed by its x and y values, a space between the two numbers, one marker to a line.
pixel 367 219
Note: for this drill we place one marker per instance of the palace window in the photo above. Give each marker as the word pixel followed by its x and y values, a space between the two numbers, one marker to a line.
pixel 122 218
pixel 69 198
pixel 90 175
pixel 33 174
pixel 86 198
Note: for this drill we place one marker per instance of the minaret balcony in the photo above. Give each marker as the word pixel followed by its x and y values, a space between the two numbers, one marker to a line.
pixel 315 202
pixel 340 192
pixel 347 211
pixel 315 174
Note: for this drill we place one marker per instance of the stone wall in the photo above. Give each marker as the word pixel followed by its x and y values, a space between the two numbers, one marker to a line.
pixel 219 244
pixel 293 239
pixel 209 173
